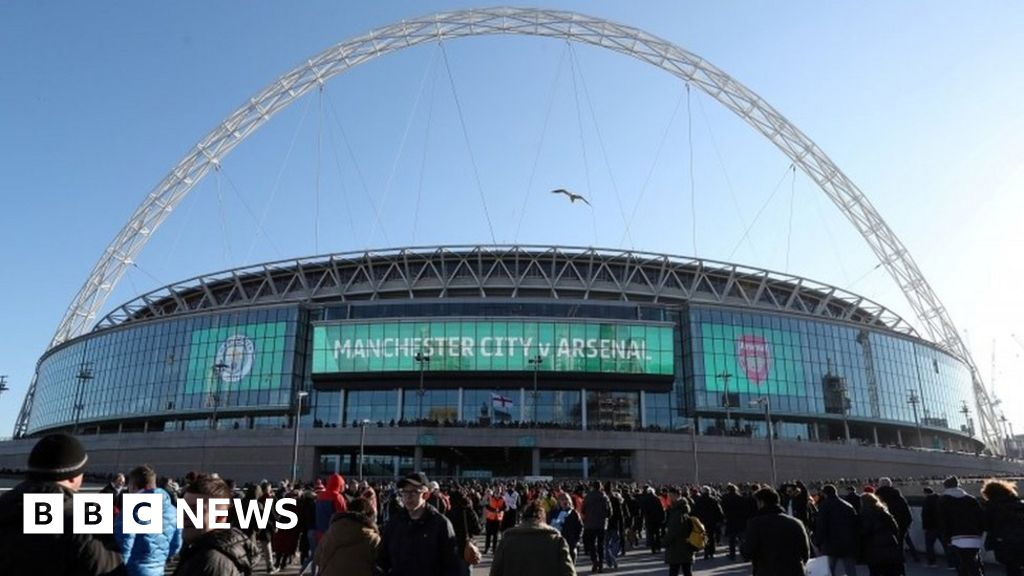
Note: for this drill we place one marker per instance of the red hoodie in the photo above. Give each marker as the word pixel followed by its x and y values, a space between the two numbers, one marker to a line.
pixel 329 502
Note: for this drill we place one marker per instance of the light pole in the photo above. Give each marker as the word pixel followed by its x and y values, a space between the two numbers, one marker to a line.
pixel 767 403
pixel 846 409
pixel 295 448
pixel 724 376
pixel 218 372
pixel 913 400
pixel 84 375
pixel 423 360
pixel 696 461
pixel 535 364
pixel 362 445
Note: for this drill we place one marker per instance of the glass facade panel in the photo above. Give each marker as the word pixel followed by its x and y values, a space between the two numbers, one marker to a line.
pixel 230 361
pixel 813 367
pixel 174 374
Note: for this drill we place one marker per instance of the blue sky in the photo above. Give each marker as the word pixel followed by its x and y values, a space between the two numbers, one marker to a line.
pixel 918 102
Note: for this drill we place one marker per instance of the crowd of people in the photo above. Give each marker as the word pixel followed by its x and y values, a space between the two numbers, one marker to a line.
pixel 414 526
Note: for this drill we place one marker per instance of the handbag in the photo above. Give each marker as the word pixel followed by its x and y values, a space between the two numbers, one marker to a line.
pixel 471 554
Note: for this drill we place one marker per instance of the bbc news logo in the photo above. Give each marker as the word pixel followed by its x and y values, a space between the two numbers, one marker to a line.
pixel 144 514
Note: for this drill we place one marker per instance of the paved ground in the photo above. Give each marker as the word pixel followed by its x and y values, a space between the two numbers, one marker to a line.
pixel 643 563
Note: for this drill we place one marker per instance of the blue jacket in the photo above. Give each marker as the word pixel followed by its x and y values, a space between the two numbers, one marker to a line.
pixel 146 554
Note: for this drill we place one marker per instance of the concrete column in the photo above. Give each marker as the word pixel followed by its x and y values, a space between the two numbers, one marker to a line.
pixel 586 468
pixel 458 413
pixel 522 405
pixel 395 465
pixel 643 409
pixel 535 462
pixel 417 459
pixel 874 431
pixel 899 437
pixel 583 409
pixel 814 433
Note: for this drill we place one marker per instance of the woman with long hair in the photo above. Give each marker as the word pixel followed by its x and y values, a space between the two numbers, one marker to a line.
pixel 880 538
pixel 1004 524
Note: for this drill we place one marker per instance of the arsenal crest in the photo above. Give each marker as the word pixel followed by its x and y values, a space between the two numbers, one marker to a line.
pixel 755 357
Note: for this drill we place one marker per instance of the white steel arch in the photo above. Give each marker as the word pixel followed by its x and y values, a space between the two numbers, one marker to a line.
pixel 569 26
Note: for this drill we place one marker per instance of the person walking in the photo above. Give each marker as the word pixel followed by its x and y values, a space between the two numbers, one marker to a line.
pixel 737 509
pixel 654 518
pixel 596 510
pixel 350 545
pixel 962 522
pixel 208 550
pixel 837 532
pixel 930 525
pixel 880 538
pixel 417 540
pixel 707 508
pixel 900 510
pixel 494 511
pixel 146 554
pixel 532 548
pixel 775 542
pixel 568 523
pixel 616 522
pixel 1004 524
pixel 56 465
pixel 466 524
pixel 678 524
pixel 329 502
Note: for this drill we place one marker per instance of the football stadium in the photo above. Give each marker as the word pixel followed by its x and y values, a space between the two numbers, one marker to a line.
pixel 517 361
pixel 492 361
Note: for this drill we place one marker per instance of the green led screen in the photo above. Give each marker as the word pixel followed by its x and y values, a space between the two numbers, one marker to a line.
pixel 493 346
pixel 236 358
pixel 752 360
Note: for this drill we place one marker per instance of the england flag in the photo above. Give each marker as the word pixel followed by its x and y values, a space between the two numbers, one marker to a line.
pixel 502 406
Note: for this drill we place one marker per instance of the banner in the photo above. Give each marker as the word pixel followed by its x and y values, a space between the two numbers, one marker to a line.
pixel 751 360
pixel 500 346
pixel 236 358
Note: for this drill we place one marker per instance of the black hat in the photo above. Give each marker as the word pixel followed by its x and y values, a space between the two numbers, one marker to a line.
pixel 57 457
pixel 951 482
pixel 414 479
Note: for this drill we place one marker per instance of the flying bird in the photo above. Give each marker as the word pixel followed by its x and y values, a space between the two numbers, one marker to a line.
pixel 572 197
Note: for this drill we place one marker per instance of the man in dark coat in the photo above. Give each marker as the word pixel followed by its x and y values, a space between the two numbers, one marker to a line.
pixel 597 508
pixel 795 502
pixel 775 543
pixel 930 525
pixel 737 509
pixel 852 498
pixel 836 531
pixel 654 518
pixel 678 524
pixel 962 522
pixel 227 552
pixel 55 466
pixel 418 540
pixel 900 510
pixel 532 548
pixel 707 509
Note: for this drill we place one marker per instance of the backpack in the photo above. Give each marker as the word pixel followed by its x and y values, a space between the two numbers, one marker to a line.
pixel 698 537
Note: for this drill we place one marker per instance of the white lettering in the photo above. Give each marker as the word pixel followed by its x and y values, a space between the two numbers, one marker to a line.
pixel 252 510
pixel 196 516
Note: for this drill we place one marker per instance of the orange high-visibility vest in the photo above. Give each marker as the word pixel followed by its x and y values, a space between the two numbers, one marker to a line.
pixel 495 509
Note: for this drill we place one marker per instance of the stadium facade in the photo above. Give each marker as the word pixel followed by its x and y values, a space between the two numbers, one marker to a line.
pixel 509 361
